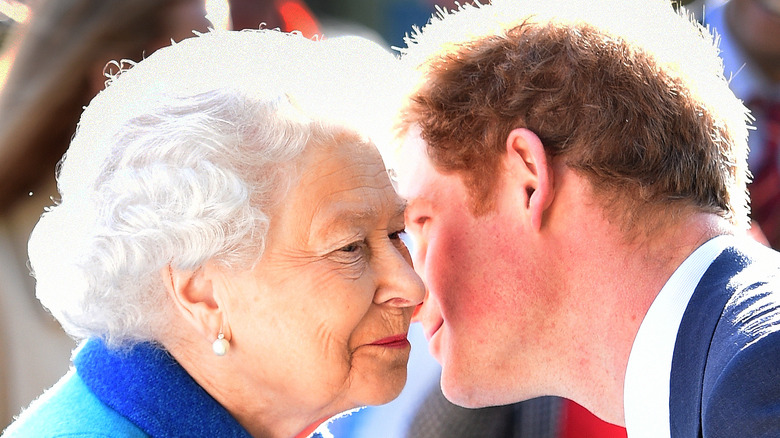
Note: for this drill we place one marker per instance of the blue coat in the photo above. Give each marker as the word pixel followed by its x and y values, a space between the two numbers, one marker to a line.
pixel 135 393
pixel 725 378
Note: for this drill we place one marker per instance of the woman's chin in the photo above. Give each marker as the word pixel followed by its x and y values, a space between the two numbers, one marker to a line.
pixel 385 390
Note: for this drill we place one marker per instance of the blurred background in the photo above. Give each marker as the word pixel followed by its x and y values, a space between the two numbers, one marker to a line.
pixel 54 57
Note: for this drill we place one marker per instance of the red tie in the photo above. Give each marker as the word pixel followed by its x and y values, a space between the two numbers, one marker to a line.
pixel 765 188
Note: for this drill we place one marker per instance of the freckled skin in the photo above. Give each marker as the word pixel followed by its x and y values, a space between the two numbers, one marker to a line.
pixel 334 278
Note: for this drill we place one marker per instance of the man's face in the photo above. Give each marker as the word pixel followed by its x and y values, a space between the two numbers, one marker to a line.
pixel 486 315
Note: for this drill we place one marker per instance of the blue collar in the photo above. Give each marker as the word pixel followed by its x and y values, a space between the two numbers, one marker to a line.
pixel 149 388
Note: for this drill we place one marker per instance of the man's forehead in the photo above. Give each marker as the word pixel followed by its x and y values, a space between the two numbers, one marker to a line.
pixel 413 167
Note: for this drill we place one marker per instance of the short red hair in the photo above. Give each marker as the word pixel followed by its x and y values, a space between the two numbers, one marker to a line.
pixel 636 127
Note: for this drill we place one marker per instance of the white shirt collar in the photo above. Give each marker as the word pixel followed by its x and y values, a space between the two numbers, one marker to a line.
pixel 646 389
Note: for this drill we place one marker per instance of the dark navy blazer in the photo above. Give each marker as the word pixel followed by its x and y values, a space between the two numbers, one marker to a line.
pixel 725 377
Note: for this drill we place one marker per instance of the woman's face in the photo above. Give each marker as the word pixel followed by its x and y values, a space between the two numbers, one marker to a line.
pixel 319 325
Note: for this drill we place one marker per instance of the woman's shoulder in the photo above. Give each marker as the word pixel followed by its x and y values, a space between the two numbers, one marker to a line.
pixel 69 408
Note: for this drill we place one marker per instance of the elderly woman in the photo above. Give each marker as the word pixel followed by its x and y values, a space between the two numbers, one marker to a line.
pixel 227 245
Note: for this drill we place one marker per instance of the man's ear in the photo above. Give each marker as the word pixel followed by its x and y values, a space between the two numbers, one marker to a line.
pixel 528 162
pixel 193 295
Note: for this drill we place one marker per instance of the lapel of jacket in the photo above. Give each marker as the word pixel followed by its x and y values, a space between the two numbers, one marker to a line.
pixel 693 343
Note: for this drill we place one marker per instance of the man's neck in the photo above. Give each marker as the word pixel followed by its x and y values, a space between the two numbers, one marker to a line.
pixel 622 280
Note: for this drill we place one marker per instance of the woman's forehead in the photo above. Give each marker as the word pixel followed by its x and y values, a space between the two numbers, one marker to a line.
pixel 342 184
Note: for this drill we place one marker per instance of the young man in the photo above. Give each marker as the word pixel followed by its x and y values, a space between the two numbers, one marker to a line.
pixel 576 185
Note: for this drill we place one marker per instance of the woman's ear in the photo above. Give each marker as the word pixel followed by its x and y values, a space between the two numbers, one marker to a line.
pixel 528 161
pixel 193 295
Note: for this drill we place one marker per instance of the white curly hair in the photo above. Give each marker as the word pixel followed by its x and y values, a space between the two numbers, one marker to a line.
pixel 179 159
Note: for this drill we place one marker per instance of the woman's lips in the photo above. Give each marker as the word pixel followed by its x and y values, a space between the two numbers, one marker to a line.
pixel 395 341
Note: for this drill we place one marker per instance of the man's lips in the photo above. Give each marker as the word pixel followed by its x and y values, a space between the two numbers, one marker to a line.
pixel 395 341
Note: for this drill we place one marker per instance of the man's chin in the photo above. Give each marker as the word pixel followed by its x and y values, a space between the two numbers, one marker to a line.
pixel 461 392
pixel 469 392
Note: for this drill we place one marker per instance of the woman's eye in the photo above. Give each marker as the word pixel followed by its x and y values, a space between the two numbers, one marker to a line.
pixel 353 258
pixel 398 235
pixel 402 240
pixel 352 247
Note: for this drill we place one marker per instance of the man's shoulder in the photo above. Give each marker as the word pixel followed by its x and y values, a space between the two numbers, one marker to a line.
pixel 751 284
pixel 753 308
pixel 742 390
pixel 740 292
pixel 741 387
pixel 69 408
pixel 730 330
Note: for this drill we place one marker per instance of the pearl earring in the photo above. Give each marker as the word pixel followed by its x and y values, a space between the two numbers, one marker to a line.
pixel 221 345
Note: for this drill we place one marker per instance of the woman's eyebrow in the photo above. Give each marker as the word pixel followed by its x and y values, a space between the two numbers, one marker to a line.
pixel 337 216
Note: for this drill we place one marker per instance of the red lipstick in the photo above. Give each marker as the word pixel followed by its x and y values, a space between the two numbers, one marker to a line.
pixel 396 341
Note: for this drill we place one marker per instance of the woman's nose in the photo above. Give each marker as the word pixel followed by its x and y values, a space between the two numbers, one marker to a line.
pixel 399 285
